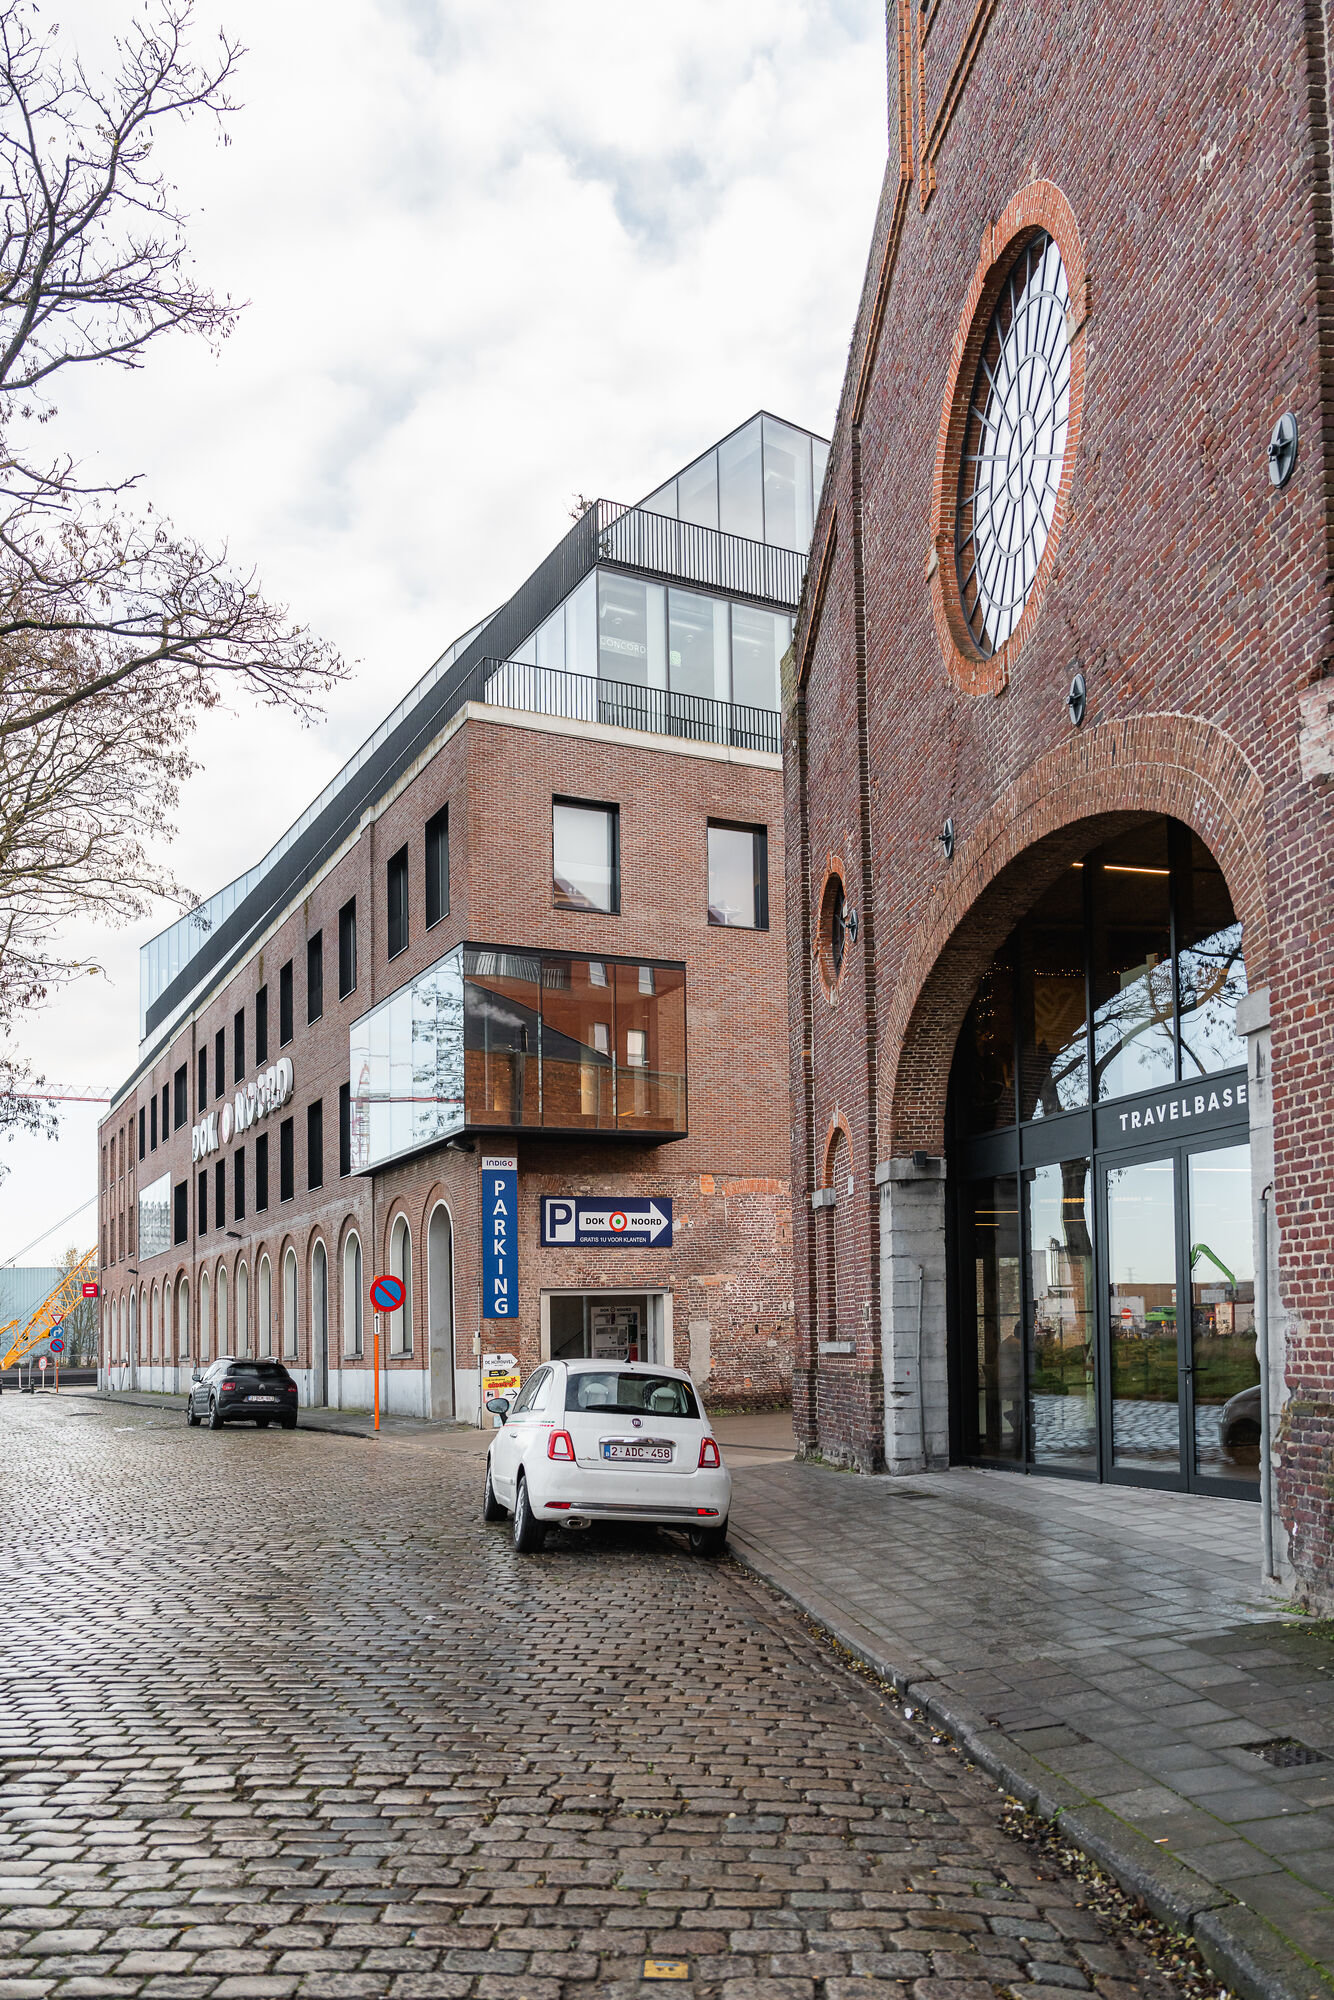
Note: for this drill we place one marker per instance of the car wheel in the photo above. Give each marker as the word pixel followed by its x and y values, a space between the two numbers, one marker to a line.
pixel 708 1541
pixel 192 1416
pixel 289 1423
pixel 491 1507
pixel 530 1534
pixel 214 1414
pixel 261 1423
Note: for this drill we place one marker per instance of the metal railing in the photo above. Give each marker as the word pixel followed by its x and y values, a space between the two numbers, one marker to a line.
pixel 642 540
pixel 623 705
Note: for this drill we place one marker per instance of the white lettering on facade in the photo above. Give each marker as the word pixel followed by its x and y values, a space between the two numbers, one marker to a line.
pixel 271 1089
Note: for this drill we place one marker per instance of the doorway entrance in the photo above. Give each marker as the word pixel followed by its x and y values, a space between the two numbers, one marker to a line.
pixel 607 1326
pixel 1102 1309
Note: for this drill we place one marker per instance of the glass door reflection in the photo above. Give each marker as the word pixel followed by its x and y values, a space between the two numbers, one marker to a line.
pixel 1225 1372
pixel 1062 1355
pixel 1142 1314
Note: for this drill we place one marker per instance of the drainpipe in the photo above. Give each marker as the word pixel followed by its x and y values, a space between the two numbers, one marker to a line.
pixel 921 1386
pixel 1262 1337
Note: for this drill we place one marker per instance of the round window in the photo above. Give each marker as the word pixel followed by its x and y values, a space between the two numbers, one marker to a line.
pixel 836 928
pixel 1014 444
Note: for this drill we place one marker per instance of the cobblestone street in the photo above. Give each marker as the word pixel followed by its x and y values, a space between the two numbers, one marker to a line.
pixel 283 1717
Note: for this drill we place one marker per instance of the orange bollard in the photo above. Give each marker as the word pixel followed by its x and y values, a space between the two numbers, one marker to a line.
pixel 375 1343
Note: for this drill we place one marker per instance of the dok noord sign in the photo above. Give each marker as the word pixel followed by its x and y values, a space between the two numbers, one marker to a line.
pixel 603 1223
pixel 500 1236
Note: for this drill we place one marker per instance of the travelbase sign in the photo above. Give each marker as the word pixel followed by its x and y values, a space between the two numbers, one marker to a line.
pixel 270 1089
pixel 1215 1103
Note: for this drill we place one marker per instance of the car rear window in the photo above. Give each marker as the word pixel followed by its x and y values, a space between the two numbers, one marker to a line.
pixel 264 1371
pixel 607 1389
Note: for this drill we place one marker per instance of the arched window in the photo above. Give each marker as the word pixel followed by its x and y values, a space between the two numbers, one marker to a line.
pixel 290 1342
pixel 134 1325
pixel 154 1328
pixel 113 1333
pixel 319 1323
pixel 183 1319
pixel 352 1296
pixel 264 1314
pixel 440 1310
pixel 242 1309
pixel 400 1263
pixel 205 1319
pixel 224 1332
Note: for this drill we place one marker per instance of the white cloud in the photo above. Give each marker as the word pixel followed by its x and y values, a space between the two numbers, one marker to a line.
pixel 495 251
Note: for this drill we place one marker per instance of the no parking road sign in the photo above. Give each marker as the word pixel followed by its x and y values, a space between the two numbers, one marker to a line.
pixel 634 1218
pixel 56 1343
pixel 387 1294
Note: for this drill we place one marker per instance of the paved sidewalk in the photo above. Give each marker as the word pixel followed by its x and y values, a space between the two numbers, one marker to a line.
pixel 1110 1656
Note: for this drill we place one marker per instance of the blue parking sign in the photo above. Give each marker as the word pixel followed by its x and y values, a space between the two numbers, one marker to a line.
pixel 500 1236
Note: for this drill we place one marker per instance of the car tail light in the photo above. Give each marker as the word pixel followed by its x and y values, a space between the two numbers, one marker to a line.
pixel 561 1445
pixel 708 1453
pixel 564 1505
pixel 226 1385
pixel 706 1510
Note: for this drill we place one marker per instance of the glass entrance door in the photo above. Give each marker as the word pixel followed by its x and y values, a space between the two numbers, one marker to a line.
pixel 1142 1420
pixel 1224 1368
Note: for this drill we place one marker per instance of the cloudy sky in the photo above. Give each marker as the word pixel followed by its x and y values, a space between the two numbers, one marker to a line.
pixel 495 252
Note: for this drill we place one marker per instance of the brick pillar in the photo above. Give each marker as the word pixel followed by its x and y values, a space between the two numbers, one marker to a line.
pixel 912 1314
pixel 1253 1023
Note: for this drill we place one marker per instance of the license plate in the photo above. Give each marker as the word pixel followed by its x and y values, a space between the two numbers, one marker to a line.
pixel 261 1399
pixel 653 1454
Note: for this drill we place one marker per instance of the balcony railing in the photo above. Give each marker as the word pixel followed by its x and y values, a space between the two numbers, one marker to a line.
pixel 622 704
pixel 639 539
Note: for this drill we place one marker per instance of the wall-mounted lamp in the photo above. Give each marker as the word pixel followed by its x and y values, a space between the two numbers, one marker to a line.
pixel 1076 702
pixel 1283 449
pixel 946 839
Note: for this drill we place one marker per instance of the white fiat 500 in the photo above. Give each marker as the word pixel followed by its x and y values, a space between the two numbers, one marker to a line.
pixel 607 1441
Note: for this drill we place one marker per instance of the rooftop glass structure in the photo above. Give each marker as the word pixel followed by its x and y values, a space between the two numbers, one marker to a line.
pixel 670 617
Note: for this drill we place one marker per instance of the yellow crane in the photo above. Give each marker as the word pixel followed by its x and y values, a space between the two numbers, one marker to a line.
pixel 54 1306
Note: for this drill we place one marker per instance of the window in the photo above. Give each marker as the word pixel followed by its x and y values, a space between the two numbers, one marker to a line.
pixel 289 1304
pixel 242 1309
pixel 238 1185
pixel 286 1160
pixel 585 856
pixel 201 1204
pixel 219 1062
pixel 152 1123
pixel 141 1131
pixel 315 976
pixel 396 905
pixel 344 1129
pixel 605 1389
pixel 262 1171
pixel 347 949
pixel 262 1025
pixel 697 644
pixel 219 1194
pixel 264 1315
pixel 203 1079
pixel 738 876
pixel 238 1046
pixel 315 1144
pixel 166 1111
pixel 286 1028
pixel 180 1212
pixel 352 1295
pixel 400 1263
pixel 437 866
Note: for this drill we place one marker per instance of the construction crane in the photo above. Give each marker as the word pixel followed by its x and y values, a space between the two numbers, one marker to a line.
pixel 53 1308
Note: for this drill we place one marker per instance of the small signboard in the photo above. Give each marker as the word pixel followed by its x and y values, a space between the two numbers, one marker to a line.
pixel 500 1377
pixel 500 1236
pixel 579 1220
pixel 41 1363
pixel 90 1291
pixel 387 1294
pixel 56 1344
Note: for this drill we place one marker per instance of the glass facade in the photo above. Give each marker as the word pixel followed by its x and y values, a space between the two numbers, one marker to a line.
pixel 155 1217
pixel 536 1041
pixel 762 482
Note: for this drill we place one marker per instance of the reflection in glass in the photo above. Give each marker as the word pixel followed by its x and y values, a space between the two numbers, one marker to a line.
pixel 1053 1060
pixel 1142 1291
pixel 583 857
pixel 1212 972
pixel 738 868
pixel 697 644
pixel 740 484
pixel 500 1038
pixel 697 491
pixel 1133 1011
pixel 622 629
pixel 581 628
pixel 987 1044
pixel 1226 1371
pixel 997 1413
pixel 577 1031
pixel 650 1048
pixel 1062 1360
pixel 787 485
pixel 759 641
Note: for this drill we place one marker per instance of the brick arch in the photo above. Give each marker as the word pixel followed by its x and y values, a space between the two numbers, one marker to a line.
pixel 1092 786
pixel 838 1129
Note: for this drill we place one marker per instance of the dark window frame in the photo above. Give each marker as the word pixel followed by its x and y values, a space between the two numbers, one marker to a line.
pixel 760 851
pixel 315 977
pixel 261 1173
pixel 180 1213
pixel 344 1130
pixel 315 1143
pixel 436 841
pixel 238 1046
pixel 201 1078
pixel 220 1194
pixel 262 1026
pixel 201 1203
pixel 220 1063
pixel 286 1005
pixel 613 810
pixel 347 948
pixel 287 1160
pixel 397 906
pixel 238 1185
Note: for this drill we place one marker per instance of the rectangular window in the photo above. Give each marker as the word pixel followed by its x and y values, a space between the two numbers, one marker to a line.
pixel 315 976
pixel 437 866
pixel 262 1025
pixel 238 1184
pixel 201 1204
pixel 286 1012
pixel 585 856
pixel 397 903
pixel 152 1122
pixel 166 1111
pixel 632 635
pixel 697 645
pixel 286 1160
pixel 154 1231
pixel 347 949
pixel 220 1194
pixel 738 876
pixel 219 1062
pixel 315 1144
pixel 344 1129
pixel 238 1046
pixel 141 1131
pixel 180 1212
pixel 261 1171
pixel 202 1078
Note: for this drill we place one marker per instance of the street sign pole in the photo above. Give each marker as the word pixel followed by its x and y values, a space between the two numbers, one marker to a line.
pixel 376 1344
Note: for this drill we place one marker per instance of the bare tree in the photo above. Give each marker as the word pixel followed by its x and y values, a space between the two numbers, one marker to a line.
pixel 116 632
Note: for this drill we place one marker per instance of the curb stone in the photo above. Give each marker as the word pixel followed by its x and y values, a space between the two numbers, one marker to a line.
pixel 1235 1943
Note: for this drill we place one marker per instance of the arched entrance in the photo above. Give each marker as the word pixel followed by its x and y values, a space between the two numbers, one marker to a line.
pixel 440 1306
pixel 1100 1286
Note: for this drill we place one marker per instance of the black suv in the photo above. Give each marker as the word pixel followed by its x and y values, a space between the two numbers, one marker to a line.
pixel 252 1392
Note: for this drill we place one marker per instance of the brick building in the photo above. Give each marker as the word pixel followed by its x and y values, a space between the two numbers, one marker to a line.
pixel 534 926
pixel 1060 779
